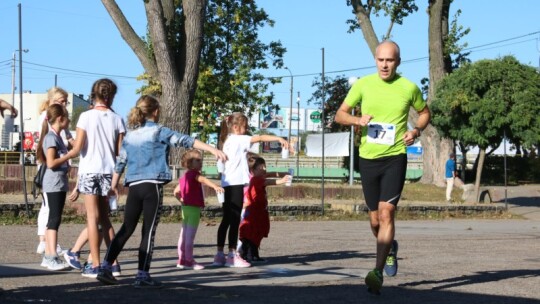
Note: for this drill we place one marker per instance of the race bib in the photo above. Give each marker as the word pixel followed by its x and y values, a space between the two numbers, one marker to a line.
pixel 381 133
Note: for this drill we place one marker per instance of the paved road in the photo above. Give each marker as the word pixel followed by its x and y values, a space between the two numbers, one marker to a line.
pixel 456 261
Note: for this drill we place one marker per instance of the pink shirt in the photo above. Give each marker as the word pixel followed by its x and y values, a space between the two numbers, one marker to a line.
pixel 191 190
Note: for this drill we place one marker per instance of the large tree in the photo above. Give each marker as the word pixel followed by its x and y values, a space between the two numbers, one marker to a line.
pixel 441 45
pixel 200 55
pixel 173 56
pixel 482 103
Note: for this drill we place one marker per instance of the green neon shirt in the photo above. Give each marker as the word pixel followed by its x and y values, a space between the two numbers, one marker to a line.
pixel 388 103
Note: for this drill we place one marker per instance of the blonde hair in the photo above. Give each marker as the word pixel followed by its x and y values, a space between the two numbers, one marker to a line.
pixel 51 94
pixel 188 156
pixel 144 108
pixel 235 119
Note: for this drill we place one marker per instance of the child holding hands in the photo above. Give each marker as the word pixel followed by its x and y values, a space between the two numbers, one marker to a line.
pixel 190 192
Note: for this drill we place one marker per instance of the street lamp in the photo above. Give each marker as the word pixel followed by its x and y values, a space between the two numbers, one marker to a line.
pixel 290 106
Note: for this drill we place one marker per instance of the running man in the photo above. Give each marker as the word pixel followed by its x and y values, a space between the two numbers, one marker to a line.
pixel 385 99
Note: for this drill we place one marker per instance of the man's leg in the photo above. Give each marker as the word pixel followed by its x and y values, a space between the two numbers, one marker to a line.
pixel 385 232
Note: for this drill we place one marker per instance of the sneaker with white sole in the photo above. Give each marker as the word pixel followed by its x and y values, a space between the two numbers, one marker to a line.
pixel 72 258
pixel 90 272
pixel 41 248
pixel 54 263
pixel 116 270
pixel 44 262
pixel 190 265
pixel 219 259
pixel 236 261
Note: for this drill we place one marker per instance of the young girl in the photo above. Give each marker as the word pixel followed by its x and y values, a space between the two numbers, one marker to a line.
pixel 255 223
pixel 145 154
pixel 55 95
pixel 99 136
pixel 189 189
pixel 53 153
pixel 235 176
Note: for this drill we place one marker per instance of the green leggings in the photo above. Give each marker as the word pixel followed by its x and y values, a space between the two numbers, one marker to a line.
pixel 191 216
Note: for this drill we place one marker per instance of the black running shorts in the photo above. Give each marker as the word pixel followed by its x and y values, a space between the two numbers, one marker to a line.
pixel 383 179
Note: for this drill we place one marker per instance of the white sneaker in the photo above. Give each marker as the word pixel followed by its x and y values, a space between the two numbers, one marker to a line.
pixel 55 263
pixel 44 262
pixel 41 248
pixel 59 250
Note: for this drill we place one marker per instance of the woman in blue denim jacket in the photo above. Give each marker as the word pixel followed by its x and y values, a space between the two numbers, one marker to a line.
pixel 145 153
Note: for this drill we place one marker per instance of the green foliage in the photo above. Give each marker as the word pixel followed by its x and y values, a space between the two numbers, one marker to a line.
pixel 397 10
pixel 519 170
pixel 480 103
pixel 231 56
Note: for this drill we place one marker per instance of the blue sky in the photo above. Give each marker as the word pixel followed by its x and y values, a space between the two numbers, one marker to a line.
pixel 78 42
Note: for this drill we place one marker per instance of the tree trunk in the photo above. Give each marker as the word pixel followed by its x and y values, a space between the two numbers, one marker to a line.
pixel 480 161
pixel 436 149
pixel 362 16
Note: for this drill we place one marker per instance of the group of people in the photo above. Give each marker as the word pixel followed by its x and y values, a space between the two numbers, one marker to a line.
pixel 106 151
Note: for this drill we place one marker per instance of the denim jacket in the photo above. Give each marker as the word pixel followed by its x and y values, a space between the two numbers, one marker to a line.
pixel 145 152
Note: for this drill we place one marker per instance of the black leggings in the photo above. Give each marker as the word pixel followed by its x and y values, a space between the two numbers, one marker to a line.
pixel 145 198
pixel 56 202
pixel 232 208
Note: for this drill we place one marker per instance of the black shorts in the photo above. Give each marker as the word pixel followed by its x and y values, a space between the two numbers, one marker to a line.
pixel 383 179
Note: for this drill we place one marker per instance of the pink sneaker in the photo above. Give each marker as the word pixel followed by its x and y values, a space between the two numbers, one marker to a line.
pixel 219 259
pixel 236 261
pixel 190 265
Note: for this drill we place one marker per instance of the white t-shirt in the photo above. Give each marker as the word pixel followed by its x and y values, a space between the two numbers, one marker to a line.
pixel 98 154
pixel 236 170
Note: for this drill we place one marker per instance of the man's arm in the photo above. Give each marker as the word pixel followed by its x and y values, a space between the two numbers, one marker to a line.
pixel 344 117
pixel 424 116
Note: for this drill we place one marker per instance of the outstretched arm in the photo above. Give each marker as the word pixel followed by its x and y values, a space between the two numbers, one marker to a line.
pixel 267 138
pixel 203 180
pixel 217 153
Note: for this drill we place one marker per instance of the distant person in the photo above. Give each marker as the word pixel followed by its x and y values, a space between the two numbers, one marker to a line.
pixel 99 137
pixel 144 157
pixel 450 174
pixel 255 221
pixel 190 192
pixel 272 120
pixel 385 99
pixel 4 105
pixel 235 143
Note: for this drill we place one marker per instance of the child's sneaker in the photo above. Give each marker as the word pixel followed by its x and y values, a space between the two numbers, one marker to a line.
pixel 374 281
pixel 116 270
pixel 106 277
pixel 72 258
pixel 90 272
pixel 190 265
pixel 146 282
pixel 219 259
pixel 44 262
pixel 59 250
pixel 41 248
pixel 54 263
pixel 236 261
pixel 391 265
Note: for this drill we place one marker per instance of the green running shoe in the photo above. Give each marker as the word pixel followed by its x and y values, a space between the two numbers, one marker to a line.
pixel 374 281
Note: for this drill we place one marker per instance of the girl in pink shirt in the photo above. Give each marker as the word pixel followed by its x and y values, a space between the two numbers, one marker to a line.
pixel 189 191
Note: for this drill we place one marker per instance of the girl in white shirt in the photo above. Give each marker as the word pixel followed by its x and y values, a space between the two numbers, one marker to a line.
pixel 235 144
